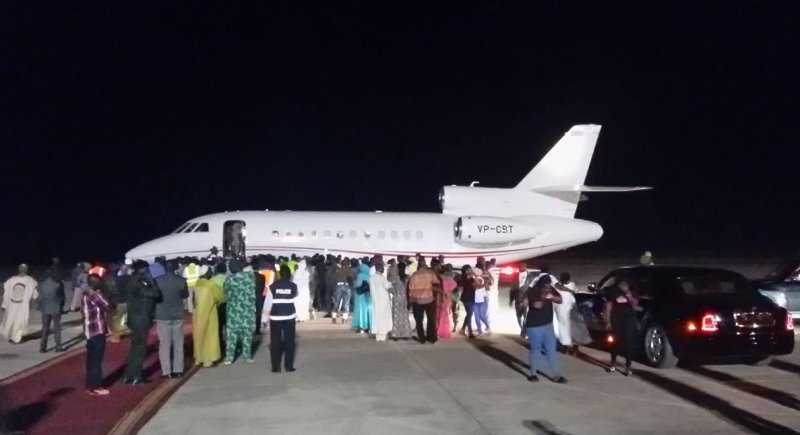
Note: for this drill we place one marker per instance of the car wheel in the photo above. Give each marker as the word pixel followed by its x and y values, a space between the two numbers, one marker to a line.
pixel 657 348
pixel 759 362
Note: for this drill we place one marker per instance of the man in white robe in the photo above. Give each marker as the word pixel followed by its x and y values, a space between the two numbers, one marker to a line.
pixel 17 295
pixel 379 291
pixel 563 326
pixel 301 279
pixel 494 293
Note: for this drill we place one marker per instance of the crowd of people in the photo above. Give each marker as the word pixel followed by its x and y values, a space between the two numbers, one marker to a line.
pixel 233 300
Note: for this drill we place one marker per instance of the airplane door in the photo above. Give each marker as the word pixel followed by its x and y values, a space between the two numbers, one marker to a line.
pixel 234 239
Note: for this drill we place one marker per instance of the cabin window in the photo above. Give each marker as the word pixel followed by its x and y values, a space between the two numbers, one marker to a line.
pixel 381 235
pixel 190 228
pixel 202 228
pixel 353 234
pixel 288 234
pixel 367 234
pixel 276 234
pixel 300 234
pixel 327 234
pixel 340 234
pixel 407 235
pixel 313 234
pixel 419 235
pixel 394 235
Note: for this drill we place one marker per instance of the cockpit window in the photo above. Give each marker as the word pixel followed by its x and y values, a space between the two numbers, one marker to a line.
pixel 181 228
pixel 190 228
pixel 202 228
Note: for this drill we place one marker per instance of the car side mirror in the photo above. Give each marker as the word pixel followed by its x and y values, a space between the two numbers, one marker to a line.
pixel 592 287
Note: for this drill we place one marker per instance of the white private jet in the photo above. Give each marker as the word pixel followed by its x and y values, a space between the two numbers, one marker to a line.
pixel 534 218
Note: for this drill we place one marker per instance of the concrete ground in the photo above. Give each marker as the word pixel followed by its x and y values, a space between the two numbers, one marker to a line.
pixel 15 358
pixel 349 384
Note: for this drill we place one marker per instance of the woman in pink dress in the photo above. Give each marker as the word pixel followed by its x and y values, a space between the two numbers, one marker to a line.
pixel 445 313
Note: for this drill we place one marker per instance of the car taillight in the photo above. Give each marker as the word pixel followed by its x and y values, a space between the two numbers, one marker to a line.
pixel 691 326
pixel 789 321
pixel 508 270
pixel 709 323
pixel 610 339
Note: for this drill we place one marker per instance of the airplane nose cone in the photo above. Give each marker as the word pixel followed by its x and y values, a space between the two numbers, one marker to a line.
pixel 134 254
pixel 146 251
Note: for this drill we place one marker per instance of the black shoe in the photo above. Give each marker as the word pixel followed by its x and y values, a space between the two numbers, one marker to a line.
pixel 560 380
pixel 291 370
pixel 533 378
pixel 627 372
pixel 136 381
pixel 59 350
pixel 42 351
pixel 166 376
pixel 276 370
pixel 472 336
pixel 176 375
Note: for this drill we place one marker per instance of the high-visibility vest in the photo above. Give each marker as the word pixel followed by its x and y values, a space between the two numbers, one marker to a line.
pixel 192 274
pixel 97 270
pixel 269 278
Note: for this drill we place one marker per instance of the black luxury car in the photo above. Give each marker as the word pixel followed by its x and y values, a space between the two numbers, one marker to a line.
pixel 693 313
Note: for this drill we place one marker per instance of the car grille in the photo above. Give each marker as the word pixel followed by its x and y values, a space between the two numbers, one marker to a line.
pixel 754 319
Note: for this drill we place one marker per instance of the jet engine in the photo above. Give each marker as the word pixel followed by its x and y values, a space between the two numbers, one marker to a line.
pixel 491 230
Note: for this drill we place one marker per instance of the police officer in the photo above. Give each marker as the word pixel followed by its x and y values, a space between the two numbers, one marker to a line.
pixel 282 317
pixel 142 295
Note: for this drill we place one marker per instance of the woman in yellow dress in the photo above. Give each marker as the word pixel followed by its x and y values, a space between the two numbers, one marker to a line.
pixel 205 321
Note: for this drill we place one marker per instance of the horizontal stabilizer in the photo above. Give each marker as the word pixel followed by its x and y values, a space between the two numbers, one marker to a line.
pixel 589 189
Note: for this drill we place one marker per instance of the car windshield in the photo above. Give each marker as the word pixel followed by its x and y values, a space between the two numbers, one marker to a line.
pixel 712 283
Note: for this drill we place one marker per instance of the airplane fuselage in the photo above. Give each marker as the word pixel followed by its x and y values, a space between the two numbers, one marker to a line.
pixel 359 234
pixel 535 217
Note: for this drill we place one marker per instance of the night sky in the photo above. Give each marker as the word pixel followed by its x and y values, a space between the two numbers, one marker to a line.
pixel 121 120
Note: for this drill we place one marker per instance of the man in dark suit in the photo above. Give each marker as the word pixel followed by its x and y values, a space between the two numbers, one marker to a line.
pixel 142 295
pixel 169 321
pixel 51 299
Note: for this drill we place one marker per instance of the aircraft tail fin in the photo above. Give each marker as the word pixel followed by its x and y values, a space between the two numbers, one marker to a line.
pixel 567 163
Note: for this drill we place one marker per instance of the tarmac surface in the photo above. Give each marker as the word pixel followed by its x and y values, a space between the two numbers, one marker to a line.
pixel 15 358
pixel 349 384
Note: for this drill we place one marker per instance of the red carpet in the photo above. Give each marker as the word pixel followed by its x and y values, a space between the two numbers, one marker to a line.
pixel 52 398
